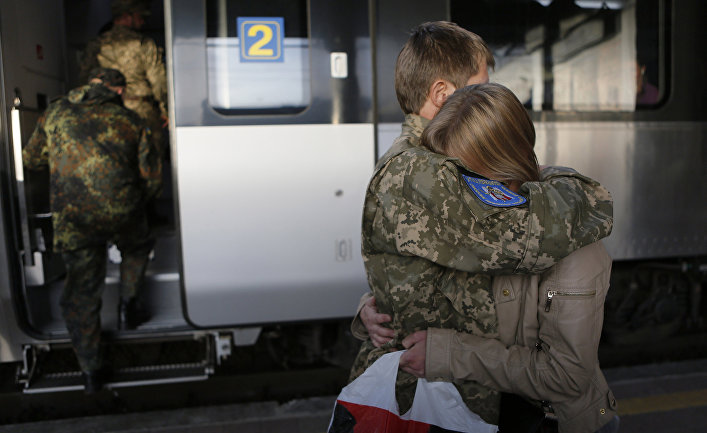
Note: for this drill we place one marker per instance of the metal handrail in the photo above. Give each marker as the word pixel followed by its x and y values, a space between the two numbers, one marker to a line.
pixel 20 179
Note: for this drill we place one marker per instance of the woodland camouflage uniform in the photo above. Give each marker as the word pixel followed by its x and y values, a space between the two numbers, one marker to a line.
pixel 141 61
pixel 431 247
pixel 103 168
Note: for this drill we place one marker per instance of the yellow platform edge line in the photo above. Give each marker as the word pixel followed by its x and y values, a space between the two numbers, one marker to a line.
pixel 663 402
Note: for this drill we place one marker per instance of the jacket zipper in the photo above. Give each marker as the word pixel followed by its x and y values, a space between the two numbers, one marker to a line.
pixel 551 293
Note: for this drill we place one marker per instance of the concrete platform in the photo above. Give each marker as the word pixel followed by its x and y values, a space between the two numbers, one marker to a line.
pixel 299 416
pixel 656 398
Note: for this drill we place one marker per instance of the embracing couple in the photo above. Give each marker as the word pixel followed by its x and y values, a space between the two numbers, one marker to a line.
pixel 486 267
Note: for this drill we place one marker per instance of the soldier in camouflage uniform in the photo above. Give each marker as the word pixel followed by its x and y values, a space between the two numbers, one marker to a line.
pixel 430 245
pixel 138 58
pixel 103 168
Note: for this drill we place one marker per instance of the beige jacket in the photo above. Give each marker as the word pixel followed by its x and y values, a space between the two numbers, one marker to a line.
pixel 549 328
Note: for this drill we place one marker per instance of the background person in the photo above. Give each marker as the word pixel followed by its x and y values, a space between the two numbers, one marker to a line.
pixel 103 169
pixel 138 58
pixel 646 93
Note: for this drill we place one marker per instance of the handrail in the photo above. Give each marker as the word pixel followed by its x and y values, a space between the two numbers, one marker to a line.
pixel 20 179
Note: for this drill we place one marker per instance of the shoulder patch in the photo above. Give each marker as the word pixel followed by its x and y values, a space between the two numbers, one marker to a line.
pixel 492 192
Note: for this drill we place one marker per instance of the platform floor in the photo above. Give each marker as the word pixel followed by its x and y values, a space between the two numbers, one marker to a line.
pixel 657 398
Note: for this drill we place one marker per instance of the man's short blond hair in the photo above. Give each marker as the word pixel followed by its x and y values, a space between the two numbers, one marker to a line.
pixel 437 50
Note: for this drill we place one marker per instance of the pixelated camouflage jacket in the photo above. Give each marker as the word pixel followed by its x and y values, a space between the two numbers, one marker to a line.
pixel 430 246
pixel 102 163
pixel 136 56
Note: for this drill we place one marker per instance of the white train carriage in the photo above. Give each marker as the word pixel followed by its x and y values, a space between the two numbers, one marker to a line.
pixel 278 112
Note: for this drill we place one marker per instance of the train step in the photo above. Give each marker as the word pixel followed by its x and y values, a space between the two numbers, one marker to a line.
pixel 138 376
pixel 55 369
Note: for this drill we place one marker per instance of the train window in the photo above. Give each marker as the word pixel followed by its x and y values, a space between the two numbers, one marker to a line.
pixel 572 55
pixel 258 56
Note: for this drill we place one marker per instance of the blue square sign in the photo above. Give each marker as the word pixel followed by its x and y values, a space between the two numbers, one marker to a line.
pixel 261 39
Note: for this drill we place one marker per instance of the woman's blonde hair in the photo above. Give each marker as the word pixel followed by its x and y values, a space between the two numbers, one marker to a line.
pixel 489 130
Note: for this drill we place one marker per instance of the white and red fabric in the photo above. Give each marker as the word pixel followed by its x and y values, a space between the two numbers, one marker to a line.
pixel 370 405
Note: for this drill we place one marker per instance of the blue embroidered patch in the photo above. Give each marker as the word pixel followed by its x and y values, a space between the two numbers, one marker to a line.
pixel 492 192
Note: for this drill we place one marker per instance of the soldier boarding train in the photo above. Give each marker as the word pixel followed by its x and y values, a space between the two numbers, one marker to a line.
pixel 278 110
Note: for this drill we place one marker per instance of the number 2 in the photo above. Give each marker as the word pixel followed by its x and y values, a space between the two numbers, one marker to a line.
pixel 257 48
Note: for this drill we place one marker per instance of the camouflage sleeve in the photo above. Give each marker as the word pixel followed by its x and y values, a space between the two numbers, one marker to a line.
pixel 150 164
pixel 358 329
pixel 155 72
pixel 444 222
pixel 572 211
pixel 35 155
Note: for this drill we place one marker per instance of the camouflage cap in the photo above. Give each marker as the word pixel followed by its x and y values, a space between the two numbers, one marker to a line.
pixel 120 7
pixel 111 77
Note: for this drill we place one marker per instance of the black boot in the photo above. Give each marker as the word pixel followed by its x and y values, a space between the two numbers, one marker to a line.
pixel 131 314
pixel 93 381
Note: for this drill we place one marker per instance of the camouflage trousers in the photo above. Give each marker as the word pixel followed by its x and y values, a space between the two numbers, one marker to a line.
pixel 83 289
pixel 480 399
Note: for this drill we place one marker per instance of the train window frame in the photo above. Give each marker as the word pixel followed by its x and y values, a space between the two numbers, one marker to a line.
pixel 278 101
pixel 487 16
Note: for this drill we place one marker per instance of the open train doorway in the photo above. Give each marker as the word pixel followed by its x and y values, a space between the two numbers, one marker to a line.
pixel 269 155
pixel 44 278
pixel 42 45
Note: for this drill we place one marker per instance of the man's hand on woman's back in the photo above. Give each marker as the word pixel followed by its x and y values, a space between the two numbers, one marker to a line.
pixel 372 320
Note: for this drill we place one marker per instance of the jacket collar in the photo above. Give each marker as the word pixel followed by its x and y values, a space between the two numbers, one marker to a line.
pixel 93 94
pixel 414 124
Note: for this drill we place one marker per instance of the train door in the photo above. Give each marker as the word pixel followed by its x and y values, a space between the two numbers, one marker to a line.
pixel 272 148
pixel 38 58
pixel 33 71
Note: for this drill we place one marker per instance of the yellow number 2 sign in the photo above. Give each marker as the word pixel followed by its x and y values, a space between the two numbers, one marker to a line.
pixel 261 39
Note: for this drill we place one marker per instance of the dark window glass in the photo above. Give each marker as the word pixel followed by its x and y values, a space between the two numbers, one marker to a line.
pixel 564 55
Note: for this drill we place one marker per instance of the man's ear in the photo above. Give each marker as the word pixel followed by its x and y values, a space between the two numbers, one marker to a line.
pixel 439 92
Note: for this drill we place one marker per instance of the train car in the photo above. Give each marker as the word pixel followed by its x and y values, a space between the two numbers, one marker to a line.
pixel 278 112
pixel 613 90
